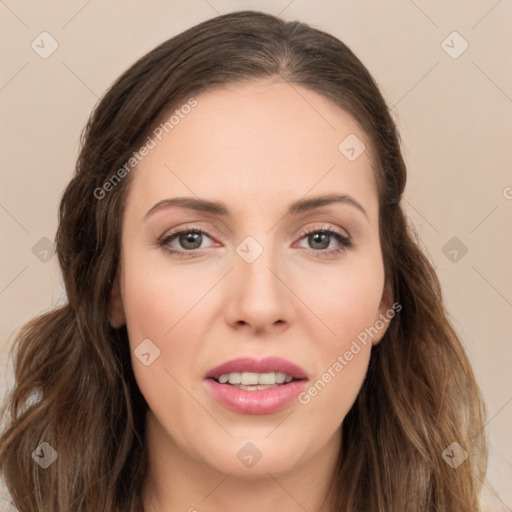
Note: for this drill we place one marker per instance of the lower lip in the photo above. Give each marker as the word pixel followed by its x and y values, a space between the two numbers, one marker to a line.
pixel 263 401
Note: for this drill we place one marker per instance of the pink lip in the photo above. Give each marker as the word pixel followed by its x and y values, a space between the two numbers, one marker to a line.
pixel 265 401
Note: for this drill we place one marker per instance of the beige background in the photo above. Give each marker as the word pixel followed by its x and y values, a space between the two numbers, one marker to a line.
pixel 454 115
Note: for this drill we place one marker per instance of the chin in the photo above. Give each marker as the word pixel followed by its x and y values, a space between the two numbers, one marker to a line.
pixel 248 459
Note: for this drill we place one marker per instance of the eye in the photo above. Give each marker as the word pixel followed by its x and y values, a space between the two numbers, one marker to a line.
pixel 321 238
pixel 189 240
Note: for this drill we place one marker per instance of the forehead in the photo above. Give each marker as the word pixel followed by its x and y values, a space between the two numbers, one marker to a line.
pixel 263 142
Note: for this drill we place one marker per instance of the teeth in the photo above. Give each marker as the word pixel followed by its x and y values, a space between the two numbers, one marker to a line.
pixel 254 379
pixel 258 387
pixel 280 377
pixel 266 378
pixel 249 378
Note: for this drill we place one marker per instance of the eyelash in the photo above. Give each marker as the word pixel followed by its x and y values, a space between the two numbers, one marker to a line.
pixel 345 242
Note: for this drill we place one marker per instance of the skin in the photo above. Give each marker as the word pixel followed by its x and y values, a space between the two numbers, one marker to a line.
pixel 257 147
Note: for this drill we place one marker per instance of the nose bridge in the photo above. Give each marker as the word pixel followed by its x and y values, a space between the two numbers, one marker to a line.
pixel 260 297
pixel 256 264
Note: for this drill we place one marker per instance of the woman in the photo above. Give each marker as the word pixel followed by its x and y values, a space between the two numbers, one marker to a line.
pixel 212 355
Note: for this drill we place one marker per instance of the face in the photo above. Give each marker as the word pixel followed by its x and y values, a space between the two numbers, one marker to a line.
pixel 284 290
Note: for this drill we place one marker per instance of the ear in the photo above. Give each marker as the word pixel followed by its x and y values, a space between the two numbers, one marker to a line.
pixel 116 309
pixel 386 313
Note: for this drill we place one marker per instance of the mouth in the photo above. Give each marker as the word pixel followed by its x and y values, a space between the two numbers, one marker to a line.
pixel 252 386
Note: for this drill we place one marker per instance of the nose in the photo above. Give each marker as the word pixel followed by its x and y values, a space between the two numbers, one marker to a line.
pixel 258 294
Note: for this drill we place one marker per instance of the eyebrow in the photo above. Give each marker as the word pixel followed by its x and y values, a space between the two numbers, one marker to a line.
pixel 220 208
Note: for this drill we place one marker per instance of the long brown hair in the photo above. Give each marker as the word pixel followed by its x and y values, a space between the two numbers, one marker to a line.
pixel 74 386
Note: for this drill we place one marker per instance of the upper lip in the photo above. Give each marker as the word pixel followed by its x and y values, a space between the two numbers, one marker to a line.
pixel 266 365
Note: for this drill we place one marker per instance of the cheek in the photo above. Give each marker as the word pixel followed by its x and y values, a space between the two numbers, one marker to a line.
pixel 341 360
pixel 327 400
pixel 158 298
pixel 159 308
pixel 349 306
pixel 162 310
pixel 346 300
